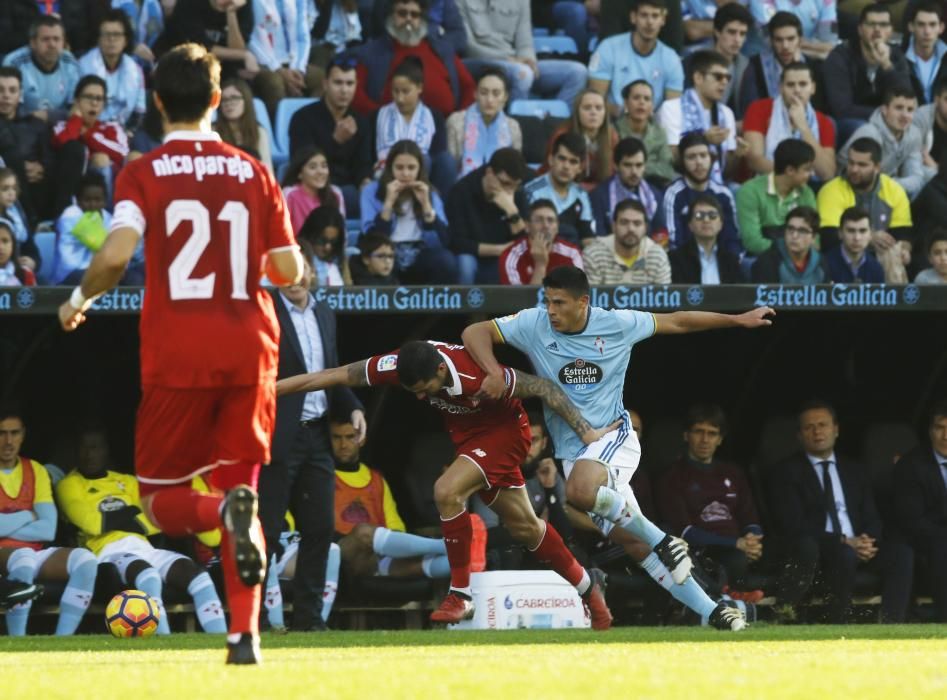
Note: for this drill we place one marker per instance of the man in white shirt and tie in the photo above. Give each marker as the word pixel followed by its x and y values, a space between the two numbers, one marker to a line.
pixel 824 512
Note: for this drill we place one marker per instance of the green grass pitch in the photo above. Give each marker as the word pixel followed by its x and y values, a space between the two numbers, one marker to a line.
pixel 859 662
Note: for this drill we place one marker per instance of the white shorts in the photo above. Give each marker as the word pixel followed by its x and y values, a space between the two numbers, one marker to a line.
pixel 620 453
pixel 126 550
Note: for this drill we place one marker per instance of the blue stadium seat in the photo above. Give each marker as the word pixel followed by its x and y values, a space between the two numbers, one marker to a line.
pixel 263 119
pixel 555 44
pixel 540 108
pixel 46 242
pixel 285 110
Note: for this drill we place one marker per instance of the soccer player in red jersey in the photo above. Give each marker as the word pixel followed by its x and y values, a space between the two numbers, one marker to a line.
pixel 213 221
pixel 492 439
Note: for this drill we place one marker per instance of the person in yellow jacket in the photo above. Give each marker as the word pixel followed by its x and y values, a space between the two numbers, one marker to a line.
pixel 106 507
pixel 27 525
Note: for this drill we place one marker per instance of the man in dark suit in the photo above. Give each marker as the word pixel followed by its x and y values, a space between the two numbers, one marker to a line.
pixel 302 474
pixel 920 505
pixel 823 511
pixel 700 260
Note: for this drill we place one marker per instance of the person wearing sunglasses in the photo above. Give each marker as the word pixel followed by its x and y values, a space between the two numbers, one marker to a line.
pixel 700 260
pixel 448 84
pixel 695 162
pixel 701 108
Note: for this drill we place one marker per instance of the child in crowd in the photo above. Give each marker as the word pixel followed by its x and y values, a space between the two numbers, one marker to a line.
pixel 12 274
pixel 375 264
pixel 937 257
pixel 12 211
pixel 306 186
pixel 407 118
pixel 81 230
pixel 324 230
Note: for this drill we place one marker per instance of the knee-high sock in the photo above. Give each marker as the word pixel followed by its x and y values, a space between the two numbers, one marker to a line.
pixel 458 534
pixel 333 561
pixel 552 552
pixel 273 596
pixel 435 566
pixel 82 567
pixel 388 543
pixel 180 511
pixel 207 606
pixel 149 581
pixel 21 566
pixel 689 593
pixel 611 505
pixel 244 601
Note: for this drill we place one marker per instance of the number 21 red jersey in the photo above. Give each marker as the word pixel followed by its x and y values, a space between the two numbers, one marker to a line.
pixel 209 214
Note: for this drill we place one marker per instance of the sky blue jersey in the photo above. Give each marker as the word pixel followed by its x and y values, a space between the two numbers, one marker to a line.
pixel 589 365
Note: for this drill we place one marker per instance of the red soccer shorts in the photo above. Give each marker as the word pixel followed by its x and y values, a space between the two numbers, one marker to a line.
pixel 499 453
pixel 185 432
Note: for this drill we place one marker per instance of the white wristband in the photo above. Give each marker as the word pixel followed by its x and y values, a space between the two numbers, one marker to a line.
pixel 78 300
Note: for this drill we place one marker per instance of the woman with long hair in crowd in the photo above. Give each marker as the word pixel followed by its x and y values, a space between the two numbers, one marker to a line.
pixel 236 121
pixel 403 204
pixel 324 230
pixel 590 121
pixel 12 273
pixel 306 186
pixel 473 134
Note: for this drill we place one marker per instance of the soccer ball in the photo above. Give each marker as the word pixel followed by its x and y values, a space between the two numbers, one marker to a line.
pixel 132 614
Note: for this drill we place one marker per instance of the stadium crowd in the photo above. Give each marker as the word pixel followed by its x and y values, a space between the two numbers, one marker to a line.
pixel 427 141
pixel 465 141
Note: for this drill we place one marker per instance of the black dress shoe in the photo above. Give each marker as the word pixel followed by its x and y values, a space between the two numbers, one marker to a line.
pixel 317 624
pixel 244 652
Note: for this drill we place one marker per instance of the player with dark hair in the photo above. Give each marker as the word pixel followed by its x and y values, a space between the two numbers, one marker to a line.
pixel 587 350
pixel 209 333
pixel 492 438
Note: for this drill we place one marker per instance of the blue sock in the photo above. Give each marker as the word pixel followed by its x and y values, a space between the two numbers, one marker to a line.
pixel 436 566
pixel 210 613
pixel 388 543
pixel 273 596
pixel 333 562
pixel 149 581
pixel 21 567
pixel 689 593
pixel 82 567
pixel 611 506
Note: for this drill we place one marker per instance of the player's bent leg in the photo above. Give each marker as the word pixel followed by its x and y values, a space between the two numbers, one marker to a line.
pixel 243 558
pixel 333 564
pixel 451 491
pixel 78 567
pixel 185 574
pixel 542 539
pixel 21 565
pixel 615 503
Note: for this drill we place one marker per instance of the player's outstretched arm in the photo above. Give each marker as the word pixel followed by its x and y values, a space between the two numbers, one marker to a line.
pixel 105 271
pixel 693 321
pixel 350 375
pixel 531 386
pixel 479 339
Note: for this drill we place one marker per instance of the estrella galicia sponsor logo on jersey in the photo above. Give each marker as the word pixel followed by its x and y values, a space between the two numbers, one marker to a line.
pixel 111 504
pixel 581 372
pixel 387 363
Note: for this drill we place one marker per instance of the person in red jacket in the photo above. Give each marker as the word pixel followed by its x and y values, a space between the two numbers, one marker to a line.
pixel 83 142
